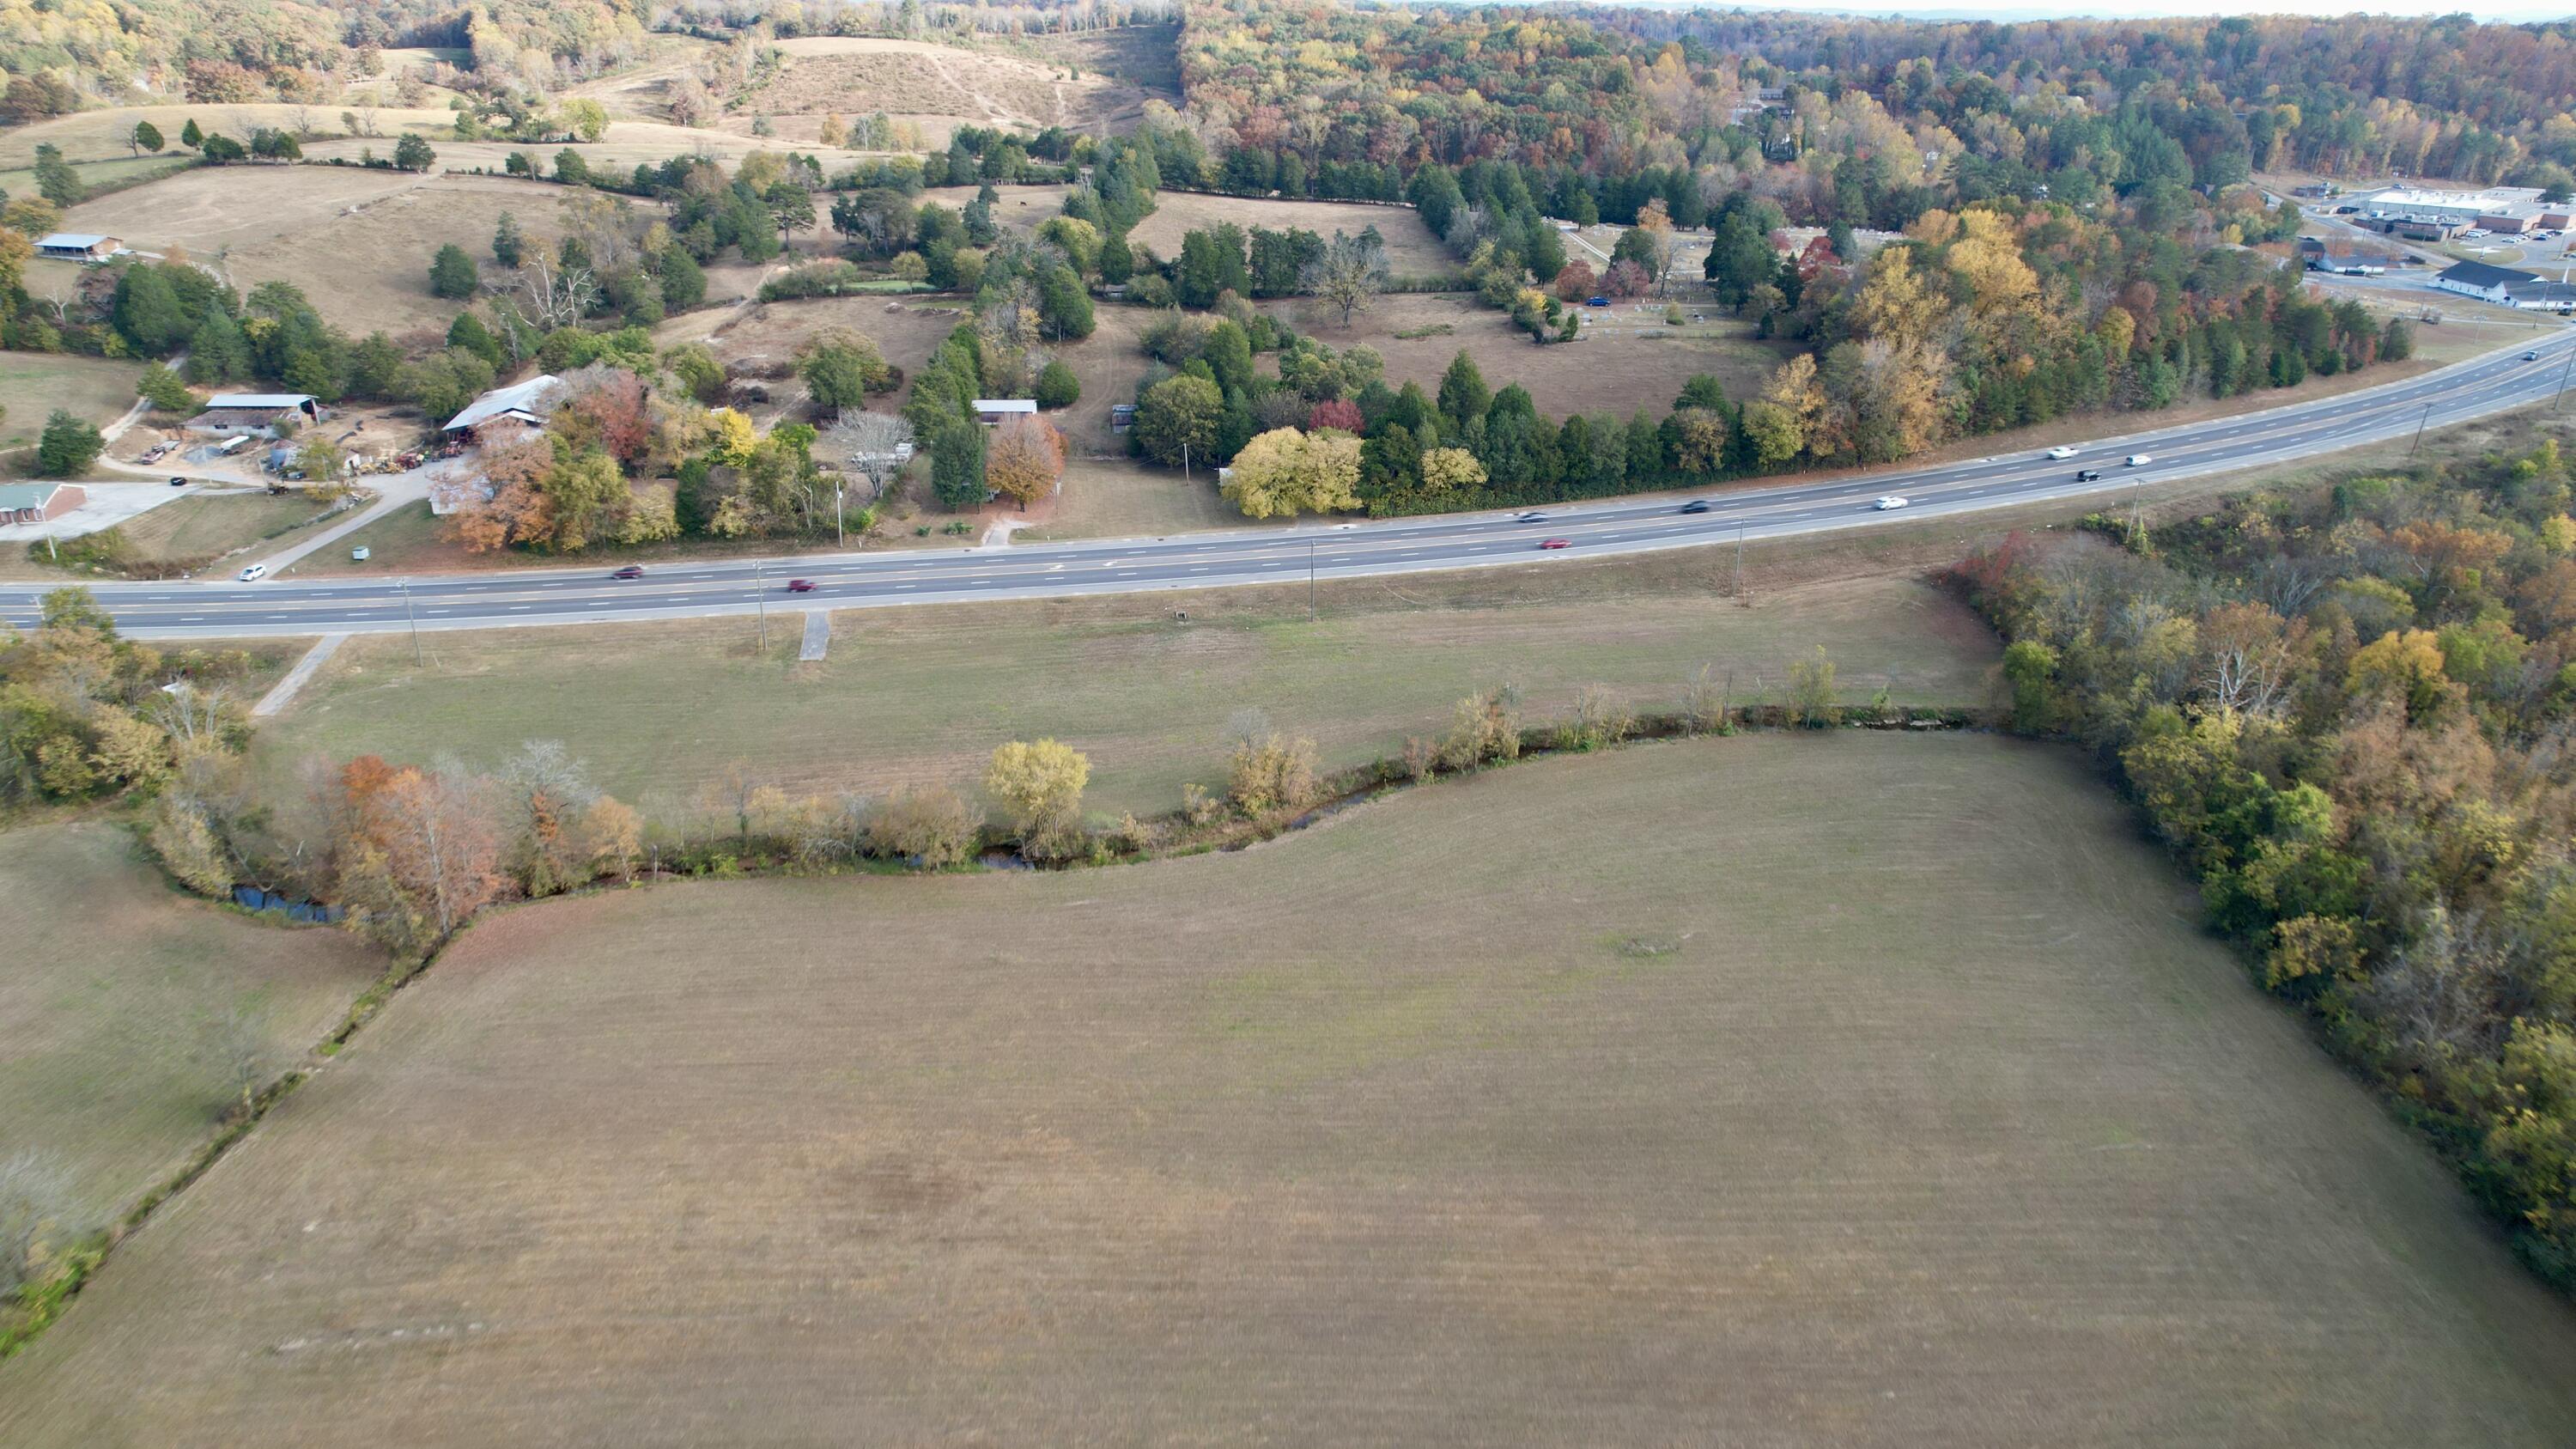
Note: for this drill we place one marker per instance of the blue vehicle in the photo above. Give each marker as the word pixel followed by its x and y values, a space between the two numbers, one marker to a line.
pixel 1596 301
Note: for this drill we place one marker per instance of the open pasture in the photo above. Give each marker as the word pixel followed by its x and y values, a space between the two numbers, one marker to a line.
pixel 1861 1090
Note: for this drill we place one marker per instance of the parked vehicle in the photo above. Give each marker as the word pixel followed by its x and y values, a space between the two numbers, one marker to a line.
pixel 358 554
pixel 1556 543
pixel 253 574
pixel 177 482
pixel 631 571
pixel 1596 301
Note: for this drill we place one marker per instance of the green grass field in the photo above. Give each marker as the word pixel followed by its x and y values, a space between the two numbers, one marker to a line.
pixel 33 384
pixel 212 525
pixel 1853 1090
pixel 113 986
pixel 909 695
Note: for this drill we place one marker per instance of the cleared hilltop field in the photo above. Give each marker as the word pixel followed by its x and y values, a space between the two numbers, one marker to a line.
pixel 941 87
pixel 1854 1090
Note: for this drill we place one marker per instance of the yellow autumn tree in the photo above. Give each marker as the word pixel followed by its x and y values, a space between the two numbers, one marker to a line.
pixel 1285 472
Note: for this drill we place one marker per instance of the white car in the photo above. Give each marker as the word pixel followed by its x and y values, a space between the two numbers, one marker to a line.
pixel 2136 460
pixel 253 574
pixel 2061 452
pixel 1891 501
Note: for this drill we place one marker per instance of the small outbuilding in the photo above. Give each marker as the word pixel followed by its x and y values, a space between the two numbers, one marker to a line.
pixel 78 246
pixel 991 410
pixel 39 502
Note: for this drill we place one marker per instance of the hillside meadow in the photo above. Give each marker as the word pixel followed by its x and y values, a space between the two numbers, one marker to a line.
pixel 1856 1089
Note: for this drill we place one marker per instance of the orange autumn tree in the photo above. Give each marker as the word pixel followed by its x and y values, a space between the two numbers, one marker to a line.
pixel 1026 459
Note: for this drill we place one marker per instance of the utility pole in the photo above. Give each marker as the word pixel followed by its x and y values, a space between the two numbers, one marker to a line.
pixel 2561 399
pixel 414 620
pixel 1310 581
pixel 2426 420
pixel 1185 460
pixel 840 538
pixel 1739 558
pixel 760 599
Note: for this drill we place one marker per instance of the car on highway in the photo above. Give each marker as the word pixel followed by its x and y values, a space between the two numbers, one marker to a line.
pixel 2088 475
pixel 1556 543
pixel 2531 357
pixel 253 574
pixel 2137 460
pixel 1890 503
pixel 631 571
pixel 1532 517
pixel 1696 505
pixel 2061 452
pixel 800 586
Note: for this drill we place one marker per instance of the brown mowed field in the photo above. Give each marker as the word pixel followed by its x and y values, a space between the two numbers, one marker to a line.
pixel 358 242
pixel 112 986
pixel 1411 249
pixel 1642 366
pixel 908 695
pixel 1850 1090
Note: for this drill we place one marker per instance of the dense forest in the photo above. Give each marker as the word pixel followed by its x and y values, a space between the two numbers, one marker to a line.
pixel 2347 710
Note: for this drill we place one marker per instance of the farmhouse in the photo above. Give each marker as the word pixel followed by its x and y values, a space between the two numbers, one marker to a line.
pixel 2507 287
pixel 78 246
pixel 39 502
pixel 530 403
pixel 991 410
pixel 228 413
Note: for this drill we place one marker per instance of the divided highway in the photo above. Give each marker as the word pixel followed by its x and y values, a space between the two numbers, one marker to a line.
pixel 2394 411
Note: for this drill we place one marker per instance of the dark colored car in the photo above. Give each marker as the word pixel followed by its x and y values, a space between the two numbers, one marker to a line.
pixel 800 586
pixel 1696 505
pixel 2088 475
pixel 2531 357
pixel 1555 543
pixel 631 571
pixel 1596 301
pixel 1532 516
pixel 178 482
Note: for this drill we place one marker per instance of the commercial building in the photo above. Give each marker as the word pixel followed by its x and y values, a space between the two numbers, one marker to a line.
pixel 39 502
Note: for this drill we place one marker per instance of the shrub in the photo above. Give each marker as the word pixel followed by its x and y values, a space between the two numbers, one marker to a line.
pixel 1270 773
pixel 1058 387
pixel 931 827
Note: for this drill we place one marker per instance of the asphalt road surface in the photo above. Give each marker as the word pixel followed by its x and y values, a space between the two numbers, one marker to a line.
pixel 2391 412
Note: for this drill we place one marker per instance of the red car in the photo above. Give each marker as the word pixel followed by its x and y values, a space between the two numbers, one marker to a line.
pixel 631 571
pixel 800 586
pixel 1555 543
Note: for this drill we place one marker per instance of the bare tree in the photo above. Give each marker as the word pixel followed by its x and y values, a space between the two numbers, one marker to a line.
pixel 192 716
pixel 874 446
pixel 237 1046
pixel 546 297
pixel 1350 273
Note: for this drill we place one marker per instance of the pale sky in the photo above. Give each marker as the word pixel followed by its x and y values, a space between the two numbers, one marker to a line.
pixel 2511 11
